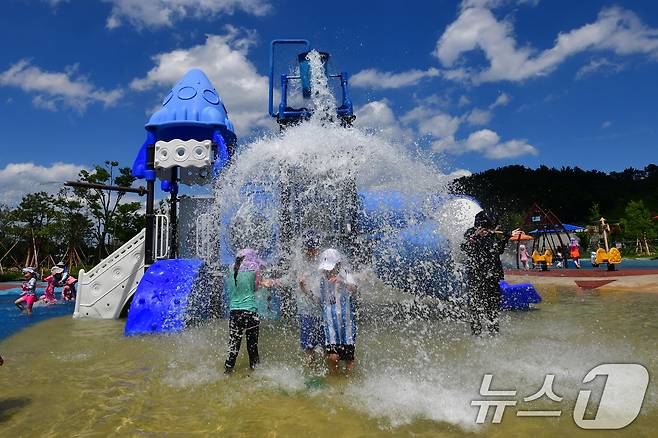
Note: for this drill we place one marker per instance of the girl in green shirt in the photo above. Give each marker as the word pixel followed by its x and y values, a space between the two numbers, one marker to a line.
pixel 242 305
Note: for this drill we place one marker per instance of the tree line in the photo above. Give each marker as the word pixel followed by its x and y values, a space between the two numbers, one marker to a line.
pixel 628 198
pixel 78 227
pixel 82 226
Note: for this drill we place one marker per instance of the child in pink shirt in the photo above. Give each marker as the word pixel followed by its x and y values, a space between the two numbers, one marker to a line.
pixel 29 292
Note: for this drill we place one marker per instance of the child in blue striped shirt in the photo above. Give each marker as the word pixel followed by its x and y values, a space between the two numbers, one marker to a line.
pixel 338 298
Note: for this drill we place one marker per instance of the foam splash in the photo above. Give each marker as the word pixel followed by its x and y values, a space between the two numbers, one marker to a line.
pixel 416 365
pixel 325 164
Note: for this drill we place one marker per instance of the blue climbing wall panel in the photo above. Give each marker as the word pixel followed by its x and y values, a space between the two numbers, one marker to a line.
pixel 160 304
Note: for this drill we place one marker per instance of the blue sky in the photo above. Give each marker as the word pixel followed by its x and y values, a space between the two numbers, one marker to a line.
pixel 483 83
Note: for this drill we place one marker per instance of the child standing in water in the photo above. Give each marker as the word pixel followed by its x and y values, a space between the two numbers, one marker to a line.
pixel 574 252
pixel 523 256
pixel 338 297
pixel 311 329
pixel 52 281
pixel 29 292
pixel 243 310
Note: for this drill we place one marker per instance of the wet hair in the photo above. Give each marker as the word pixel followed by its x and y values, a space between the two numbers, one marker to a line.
pixel 484 220
pixel 236 268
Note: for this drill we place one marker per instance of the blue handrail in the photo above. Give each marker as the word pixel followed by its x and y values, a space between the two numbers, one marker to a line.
pixel 272 44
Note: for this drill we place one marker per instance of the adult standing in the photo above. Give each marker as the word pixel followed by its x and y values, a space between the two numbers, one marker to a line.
pixel 483 247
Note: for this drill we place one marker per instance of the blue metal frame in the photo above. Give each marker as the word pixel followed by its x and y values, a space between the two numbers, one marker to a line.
pixel 285 113
pixel 272 44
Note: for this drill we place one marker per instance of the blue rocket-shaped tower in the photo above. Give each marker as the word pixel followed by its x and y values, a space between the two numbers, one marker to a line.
pixel 191 131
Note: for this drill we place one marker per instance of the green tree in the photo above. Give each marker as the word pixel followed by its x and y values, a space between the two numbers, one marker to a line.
pixel 8 241
pixel 594 214
pixel 34 223
pixel 73 228
pixel 637 222
pixel 569 191
pixel 103 205
pixel 127 222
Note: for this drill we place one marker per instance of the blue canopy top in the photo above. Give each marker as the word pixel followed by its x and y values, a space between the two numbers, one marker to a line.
pixel 567 227
pixel 192 110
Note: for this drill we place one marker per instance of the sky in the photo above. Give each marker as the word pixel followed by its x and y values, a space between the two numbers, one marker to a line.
pixel 479 83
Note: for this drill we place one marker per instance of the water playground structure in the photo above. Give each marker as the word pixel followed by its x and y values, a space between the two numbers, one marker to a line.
pixel 155 277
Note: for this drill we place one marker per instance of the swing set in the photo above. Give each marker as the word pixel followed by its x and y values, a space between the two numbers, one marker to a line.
pixel 548 245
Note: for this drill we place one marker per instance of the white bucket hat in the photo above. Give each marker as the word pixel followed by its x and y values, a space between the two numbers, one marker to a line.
pixel 56 270
pixel 329 258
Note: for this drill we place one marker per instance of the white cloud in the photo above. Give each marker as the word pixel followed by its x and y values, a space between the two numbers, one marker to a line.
pixel 487 143
pixel 224 59
pixel 489 4
pixel 598 64
pixel 528 2
pixel 459 173
pixel 502 100
pixel 50 90
pixel 432 122
pixel 606 124
pixel 463 101
pixel 481 117
pixel 476 27
pixel 41 102
pixel 18 179
pixel 165 13
pixel 379 116
pixel 442 129
pixel 478 117
pixel 373 78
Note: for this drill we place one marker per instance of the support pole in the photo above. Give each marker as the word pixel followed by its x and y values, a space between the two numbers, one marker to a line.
pixel 173 215
pixel 150 197
pixel 551 244
pixel 563 248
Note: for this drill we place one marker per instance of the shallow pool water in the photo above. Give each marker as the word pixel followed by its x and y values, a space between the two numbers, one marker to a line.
pixel 66 377
pixel 11 320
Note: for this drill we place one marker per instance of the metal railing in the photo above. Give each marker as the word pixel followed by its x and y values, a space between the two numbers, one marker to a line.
pixel 161 237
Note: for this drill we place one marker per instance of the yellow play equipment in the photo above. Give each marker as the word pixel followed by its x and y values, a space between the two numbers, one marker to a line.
pixel 613 256
pixel 608 255
pixel 544 260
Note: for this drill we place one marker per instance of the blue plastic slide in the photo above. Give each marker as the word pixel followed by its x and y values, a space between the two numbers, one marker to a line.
pixel 518 296
pixel 160 304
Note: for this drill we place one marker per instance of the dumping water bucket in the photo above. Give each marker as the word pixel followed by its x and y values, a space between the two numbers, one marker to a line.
pixel 305 71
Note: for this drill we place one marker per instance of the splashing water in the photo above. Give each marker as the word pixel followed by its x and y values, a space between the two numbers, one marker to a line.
pixel 324 101
pixel 417 372
pixel 314 175
pixel 413 377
